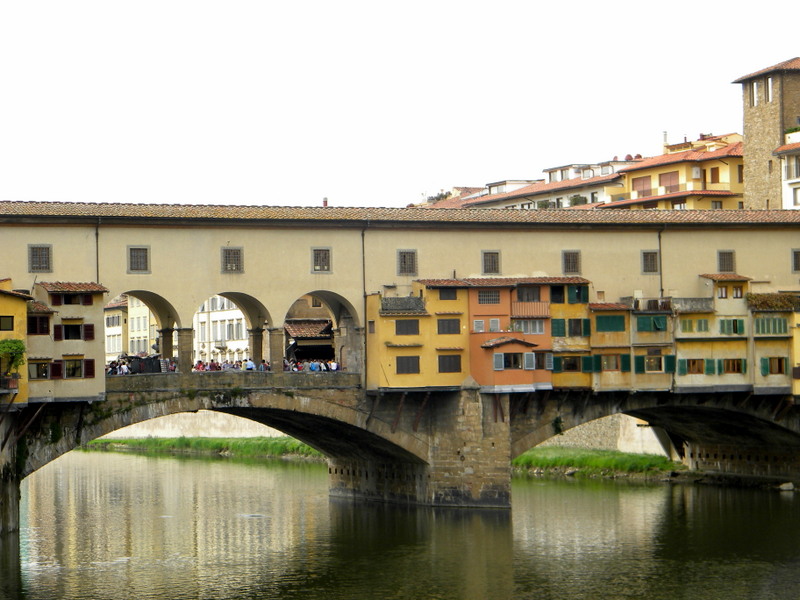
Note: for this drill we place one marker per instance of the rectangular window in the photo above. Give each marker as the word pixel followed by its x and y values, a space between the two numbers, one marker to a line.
pixel 557 294
pixel 232 260
pixel 726 261
pixel 491 262
pixel 38 370
pixel 651 323
pixel 796 261
pixel 407 364
pixel 7 323
pixel 531 326
pixel 447 294
pixel 450 363
pixel 508 360
pixel 770 325
pixel 528 294
pixel 608 323
pixel 38 325
pixel 571 262
pixel 609 362
pixel 370 326
pixel 768 89
pixel 73 369
pixel 40 258
pixel 406 327
pixel 740 173
pixel 650 261
pixel 687 326
pixel 722 291
pixel 571 364
pixel 488 296
pixel 695 366
pixel 738 291
pixel 702 325
pixel 449 326
pixel 714 174
pixel 679 205
pixel 653 363
pixel 494 324
pixel 731 326
pixel 321 260
pixel 774 365
pixel 716 205
pixel 669 181
pixel 732 365
pixel 478 326
pixel 754 93
pixel 642 187
pixel 575 327
pixel 406 262
pixel 138 259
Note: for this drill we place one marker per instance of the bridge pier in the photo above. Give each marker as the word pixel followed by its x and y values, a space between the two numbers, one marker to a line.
pixel 255 339
pixel 9 481
pixel 185 353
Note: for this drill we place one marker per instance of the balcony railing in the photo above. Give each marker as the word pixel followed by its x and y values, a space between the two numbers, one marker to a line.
pixel 530 309
pixel 672 189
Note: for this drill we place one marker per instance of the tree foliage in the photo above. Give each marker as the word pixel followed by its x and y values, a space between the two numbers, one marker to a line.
pixel 14 353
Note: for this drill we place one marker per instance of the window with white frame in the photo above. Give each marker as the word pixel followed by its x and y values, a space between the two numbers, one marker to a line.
pixel 531 326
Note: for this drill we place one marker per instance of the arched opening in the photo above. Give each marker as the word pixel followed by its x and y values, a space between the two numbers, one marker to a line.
pixel 321 327
pixel 229 332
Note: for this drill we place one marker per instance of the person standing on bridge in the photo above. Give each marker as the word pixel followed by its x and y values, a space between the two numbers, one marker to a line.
pixel 249 365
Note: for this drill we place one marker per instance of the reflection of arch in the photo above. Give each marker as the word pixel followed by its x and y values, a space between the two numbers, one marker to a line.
pixel 348 342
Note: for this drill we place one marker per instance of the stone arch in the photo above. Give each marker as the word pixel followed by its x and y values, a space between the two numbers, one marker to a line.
pixel 168 319
pixel 348 339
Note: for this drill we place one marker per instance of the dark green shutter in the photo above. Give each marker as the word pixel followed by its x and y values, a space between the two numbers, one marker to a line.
pixel 625 363
pixel 572 294
pixel 598 363
pixel 660 323
pixel 587 327
pixel 556 364
pixel 559 327
pixel 720 366
pixel 744 366
pixel 644 324
pixel 669 363
pixel 587 365
pixel 709 366
pixel 584 293
pixel 740 326
pixel 764 366
pixel 682 368
pixel 638 364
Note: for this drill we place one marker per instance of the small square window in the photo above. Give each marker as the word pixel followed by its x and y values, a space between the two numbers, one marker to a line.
pixel 738 291
pixel 571 262
pixel 40 258
pixel 7 323
pixel 447 294
pixel 726 261
pixel 407 364
pixel 722 291
pixel 232 260
pixel 321 259
pixel 478 326
pixel 138 259
pixel 653 364
pixel 491 262
pixel 488 296
pixel 406 262
pixel 406 327
pixel 650 261
pixel 450 363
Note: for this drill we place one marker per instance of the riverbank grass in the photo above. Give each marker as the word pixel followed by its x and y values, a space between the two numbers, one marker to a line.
pixel 592 462
pixel 260 447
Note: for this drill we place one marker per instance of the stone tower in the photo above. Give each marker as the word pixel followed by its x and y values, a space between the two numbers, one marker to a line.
pixel 771 100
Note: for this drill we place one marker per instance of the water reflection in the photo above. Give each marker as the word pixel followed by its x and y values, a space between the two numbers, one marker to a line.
pixel 123 526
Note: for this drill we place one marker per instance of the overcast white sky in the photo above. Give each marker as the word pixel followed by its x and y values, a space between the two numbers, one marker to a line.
pixel 366 103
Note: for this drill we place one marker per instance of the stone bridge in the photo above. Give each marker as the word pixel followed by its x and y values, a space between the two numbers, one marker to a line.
pixel 444 448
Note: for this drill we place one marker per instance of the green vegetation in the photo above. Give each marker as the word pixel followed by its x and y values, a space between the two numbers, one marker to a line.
pixel 592 462
pixel 260 447
pixel 14 351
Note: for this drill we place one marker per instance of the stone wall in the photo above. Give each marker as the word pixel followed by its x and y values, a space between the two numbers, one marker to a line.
pixel 203 423
pixel 615 432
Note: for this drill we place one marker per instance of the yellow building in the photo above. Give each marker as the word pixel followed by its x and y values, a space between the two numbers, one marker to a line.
pixel 705 174
pixel 611 346
pixel 419 341
pixel 571 327
pixel 13 325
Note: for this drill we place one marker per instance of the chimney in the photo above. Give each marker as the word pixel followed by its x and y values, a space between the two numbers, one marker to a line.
pixel 324 203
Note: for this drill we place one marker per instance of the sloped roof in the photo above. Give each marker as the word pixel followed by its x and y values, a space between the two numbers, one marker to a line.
pixel 787 149
pixel 118 302
pixel 671 196
pixel 68 286
pixel 793 64
pixel 542 187
pixel 308 329
pixel 725 277
pixel 20 295
pixel 609 306
pixel 35 307
pixel 735 149
pixel 403 305
pixel 475 282
pixel 501 341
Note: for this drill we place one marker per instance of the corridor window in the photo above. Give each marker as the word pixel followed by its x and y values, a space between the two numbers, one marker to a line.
pixel 40 258
pixel 650 261
pixel 138 259
pixel 571 262
pixel 321 260
pixel 232 260
pixel 531 326
pixel 406 262
pixel 491 262
pixel 726 261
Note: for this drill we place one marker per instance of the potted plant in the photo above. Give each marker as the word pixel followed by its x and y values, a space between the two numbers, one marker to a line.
pixel 12 353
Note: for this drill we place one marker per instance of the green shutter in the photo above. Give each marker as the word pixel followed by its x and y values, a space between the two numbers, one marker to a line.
pixel 709 366
pixel 720 366
pixel 644 324
pixel 587 327
pixel 682 368
pixel 625 363
pixel 598 363
pixel 609 323
pixel 587 365
pixel 556 364
pixel 638 364
pixel 744 366
pixel 764 366
pixel 584 293
pixel 740 326
pixel 722 323
pixel 660 323
pixel 759 326
pixel 669 363
pixel 573 294
pixel 559 327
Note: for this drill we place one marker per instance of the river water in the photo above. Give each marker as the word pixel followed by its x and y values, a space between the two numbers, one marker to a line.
pixel 116 526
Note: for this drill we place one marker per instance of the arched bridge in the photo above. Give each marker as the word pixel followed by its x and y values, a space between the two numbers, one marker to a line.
pixel 447 448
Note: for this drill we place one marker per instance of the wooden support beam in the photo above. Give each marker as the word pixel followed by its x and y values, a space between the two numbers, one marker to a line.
pixel 399 412
pixel 421 410
pixel 375 404
pixel 498 409
pixel 24 428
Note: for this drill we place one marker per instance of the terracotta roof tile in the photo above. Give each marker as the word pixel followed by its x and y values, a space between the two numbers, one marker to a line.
pixel 437 283
pixel 793 64
pixel 735 149
pixel 540 187
pixel 65 286
pixel 20 295
pixel 515 281
pixel 725 277
pixel 500 341
pixel 35 307
pixel 786 148
pixel 360 217
pixel 308 329
pixel 672 196
pixel 608 306
pixel 119 302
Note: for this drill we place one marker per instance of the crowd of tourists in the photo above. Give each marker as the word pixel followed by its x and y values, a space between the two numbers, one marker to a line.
pixel 310 365
pixel 226 365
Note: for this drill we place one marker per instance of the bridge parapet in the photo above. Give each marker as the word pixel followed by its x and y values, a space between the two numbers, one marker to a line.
pixel 232 380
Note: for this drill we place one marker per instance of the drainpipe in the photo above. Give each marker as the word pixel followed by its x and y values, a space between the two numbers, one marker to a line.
pixel 97 250
pixel 661 264
pixel 364 304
